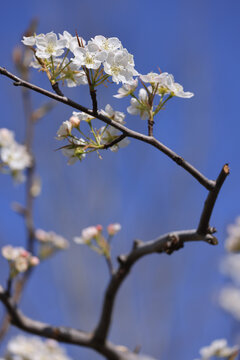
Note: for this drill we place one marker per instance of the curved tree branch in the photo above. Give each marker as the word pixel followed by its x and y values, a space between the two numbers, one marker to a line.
pixel 98 339
pixel 203 226
pixel 166 243
pixel 208 184
pixel 61 333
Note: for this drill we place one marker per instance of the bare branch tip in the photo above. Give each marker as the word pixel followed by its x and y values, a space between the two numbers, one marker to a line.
pixel 226 169
pixel 212 240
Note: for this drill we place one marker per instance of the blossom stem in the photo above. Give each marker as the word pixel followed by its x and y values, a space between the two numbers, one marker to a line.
pixel 150 124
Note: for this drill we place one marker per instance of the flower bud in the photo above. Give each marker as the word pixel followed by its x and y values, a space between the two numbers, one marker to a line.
pixel 113 229
pixel 75 121
pixel 34 261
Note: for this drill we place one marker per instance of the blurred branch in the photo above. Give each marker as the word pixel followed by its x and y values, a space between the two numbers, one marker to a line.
pixel 27 210
pixel 208 184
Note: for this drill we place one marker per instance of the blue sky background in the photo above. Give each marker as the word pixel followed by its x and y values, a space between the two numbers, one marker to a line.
pixel 168 305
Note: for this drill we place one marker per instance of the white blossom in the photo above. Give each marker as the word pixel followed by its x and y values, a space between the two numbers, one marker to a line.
pixel 113 229
pixel 126 89
pixel 109 134
pixel 77 117
pixel 35 63
pixel 165 84
pixel 64 130
pixel 71 153
pixel 31 40
pixel 6 137
pixel 11 253
pixel 117 116
pixel 71 41
pixel 232 243
pixel 140 106
pixel 229 300
pixel 151 77
pixel 106 44
pixel 33 348
pixel 50 242
pixel 119 64
pixel 49 45
pixel 16 157
pixel 177 90
pixel 19 259
pixel 231 266
pixel 71 73
pixel 89 56
pixel 88 234
pixel 218 348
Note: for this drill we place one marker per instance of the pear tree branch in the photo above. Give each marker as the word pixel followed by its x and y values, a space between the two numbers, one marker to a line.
pixel 208 184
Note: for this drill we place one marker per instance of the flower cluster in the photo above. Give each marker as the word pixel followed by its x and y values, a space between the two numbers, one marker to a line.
pixel 162 84
pixel 20 260
pixel 93 62
pixel 49 243
pixel 93 237
pixel 14 158
pixel 33 348
pixel 98 139
pixel 220 349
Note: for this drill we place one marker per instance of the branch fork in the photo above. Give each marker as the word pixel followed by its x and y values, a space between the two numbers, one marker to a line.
pixel 167 243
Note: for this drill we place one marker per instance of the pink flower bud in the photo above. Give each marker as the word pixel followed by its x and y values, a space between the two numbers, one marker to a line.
pixel 75 121
pixel 34 261
pixel 24 253
pixel 113 229
pixel 99 228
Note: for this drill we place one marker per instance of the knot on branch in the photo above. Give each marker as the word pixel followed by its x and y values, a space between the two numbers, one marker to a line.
pixel 173 244
pixel 137 243
pixel 179 160
pixel 17 83
pixel 122 259
pixel 210 239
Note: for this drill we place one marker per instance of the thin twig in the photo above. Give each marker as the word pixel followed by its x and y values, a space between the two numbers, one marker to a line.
pixel 110 265
pixel 208 184
pixel 115 141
